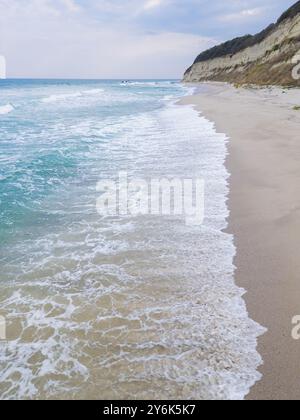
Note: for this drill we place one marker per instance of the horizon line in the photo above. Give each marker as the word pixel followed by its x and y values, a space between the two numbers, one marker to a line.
pixel 88 79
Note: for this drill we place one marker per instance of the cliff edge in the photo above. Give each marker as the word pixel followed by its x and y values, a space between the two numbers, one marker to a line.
pixel 267 58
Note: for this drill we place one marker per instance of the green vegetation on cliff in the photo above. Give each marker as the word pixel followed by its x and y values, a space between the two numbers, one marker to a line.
pixel 264 58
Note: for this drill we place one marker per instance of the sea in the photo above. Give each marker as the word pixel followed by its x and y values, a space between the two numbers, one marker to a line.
pixel 131 306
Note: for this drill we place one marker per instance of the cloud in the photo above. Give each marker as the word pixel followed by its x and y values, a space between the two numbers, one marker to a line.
pixel 151 4
pixel 243 15
pixel 69 45
pixel 121 38
pixel 71 6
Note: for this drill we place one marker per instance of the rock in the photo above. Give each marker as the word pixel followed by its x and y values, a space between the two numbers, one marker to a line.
pixel 267 58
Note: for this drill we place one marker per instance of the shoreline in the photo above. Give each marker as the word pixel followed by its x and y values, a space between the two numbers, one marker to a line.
pixel 264 204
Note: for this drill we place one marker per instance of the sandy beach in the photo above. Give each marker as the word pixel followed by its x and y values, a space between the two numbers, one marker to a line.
pixel 264 152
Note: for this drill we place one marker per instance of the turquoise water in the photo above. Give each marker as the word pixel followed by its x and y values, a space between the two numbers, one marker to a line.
pixel 54 138
pixel 127 307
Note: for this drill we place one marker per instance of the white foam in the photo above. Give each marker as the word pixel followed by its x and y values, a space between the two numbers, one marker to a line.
pixel 61 97
pixel 136 305
pixel 6 109
pixel 93 91
pixel 147 84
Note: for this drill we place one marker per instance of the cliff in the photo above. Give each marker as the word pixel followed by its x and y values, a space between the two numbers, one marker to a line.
pixel 267 58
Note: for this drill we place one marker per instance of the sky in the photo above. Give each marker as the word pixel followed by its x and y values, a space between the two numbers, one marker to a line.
pixel 122 39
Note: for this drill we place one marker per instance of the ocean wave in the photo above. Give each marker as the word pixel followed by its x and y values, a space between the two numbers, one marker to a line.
pixel 93 91
pixel 168 98
pixel 140 83
pixel 6 109
pixel 93 300
pixel 61 97
pixel 67 96
pixel 148 84
pixel 143 306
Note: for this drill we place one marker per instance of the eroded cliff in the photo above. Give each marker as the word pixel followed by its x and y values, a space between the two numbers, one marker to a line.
pixel 268 58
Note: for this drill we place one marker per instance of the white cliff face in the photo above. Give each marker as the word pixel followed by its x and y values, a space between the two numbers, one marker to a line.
pixel 268 62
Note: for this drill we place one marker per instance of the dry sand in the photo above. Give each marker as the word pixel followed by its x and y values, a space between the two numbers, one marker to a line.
pixel 264 161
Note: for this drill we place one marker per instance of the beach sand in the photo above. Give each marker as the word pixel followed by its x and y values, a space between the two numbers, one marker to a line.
pixel 264 161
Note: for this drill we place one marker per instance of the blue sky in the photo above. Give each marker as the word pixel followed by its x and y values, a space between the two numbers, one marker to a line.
pixel 121 38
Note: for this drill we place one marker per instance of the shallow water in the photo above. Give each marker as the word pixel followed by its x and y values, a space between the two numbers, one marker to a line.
pixel 127 307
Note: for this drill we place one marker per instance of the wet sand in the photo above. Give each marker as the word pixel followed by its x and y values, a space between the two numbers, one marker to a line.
pixel 264 161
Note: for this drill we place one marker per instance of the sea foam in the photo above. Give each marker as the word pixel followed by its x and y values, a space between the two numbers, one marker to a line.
pixel 6 109
pixel 130 305
pixel 61 97
pixel 69 96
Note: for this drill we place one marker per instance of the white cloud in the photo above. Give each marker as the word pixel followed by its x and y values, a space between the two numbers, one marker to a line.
pixel 42 39
pixel 71 6
pixel 243 15
pixel 151 4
